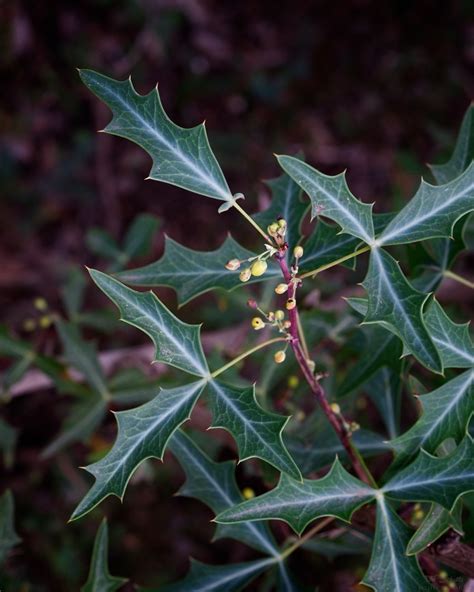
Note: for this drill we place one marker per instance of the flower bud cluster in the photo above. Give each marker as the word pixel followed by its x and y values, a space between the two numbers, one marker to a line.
pixel 257 265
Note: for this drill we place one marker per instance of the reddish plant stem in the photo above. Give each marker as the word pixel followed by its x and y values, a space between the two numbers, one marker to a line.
pixel 336 420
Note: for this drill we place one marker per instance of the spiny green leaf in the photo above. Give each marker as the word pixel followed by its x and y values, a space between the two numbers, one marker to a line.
pixel 177 344
pixel 83 356
pixel 326 244
pixel 453 341
pixel 86 415
pixel 8 535
pixel 180 156
pixel 319 452
pixel 390 570
pixel 446 413
pixel 463 152
pixel 258 433
pixel 432 479
pixel 330 197
pixel 143 433
pixel 286 202
pixel 337 494
pixel 139 236
pixel 99 579
pixel 192 273
pixel 396 305
pixel 384 389
pixel 436 523
pixel 218 578
pixel 214 485
pixel 432 212
pixel 382 349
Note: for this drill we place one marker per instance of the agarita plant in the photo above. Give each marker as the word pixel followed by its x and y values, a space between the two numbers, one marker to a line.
pixel 407 333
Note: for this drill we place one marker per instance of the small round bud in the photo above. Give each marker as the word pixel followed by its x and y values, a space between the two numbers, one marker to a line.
pixel 290 304
pixel 335 408
pixel 251 303
pixel 273 229
pixel 248 493
pixel 279 357
pixel 298 252
pixel 29 325
pixel 259 268
pixel 311 365
pixel 45 322
pixel 300 415
pixel 281 222
pixel 286 324
pixel 354 426
pixel 279 315
pixel 257 323
pixel 271 316
pixel 40 304
pixel 232 265
pixel 443 574
pixel 281 288
pixel 444 588
pixel 245 275
pixel 293 381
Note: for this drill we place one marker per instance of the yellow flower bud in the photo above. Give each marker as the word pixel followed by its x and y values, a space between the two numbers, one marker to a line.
pixel 443 575
pixel 279 357
pixel 232 265
pixel 282 223
pixel 45 322
pixel 298 252
pixel 290 303
pixel 29 325
pixel 257 323
pixel 418 515
pixel 281 288
pixel 293 381
pixel 272 229
pixel 248 492
pixel 335 408
pixel 40 304
pixel 245 275
pixel 258 268
pixel 279 315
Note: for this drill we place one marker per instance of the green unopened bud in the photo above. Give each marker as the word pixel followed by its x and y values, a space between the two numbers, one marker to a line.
pixel 281 222
pixel 232 265
pixel 279 315
pixel 258 268
pixel 279 356
pixel 273 229
pixel 298 252
pixel 245 275
pixel 281 288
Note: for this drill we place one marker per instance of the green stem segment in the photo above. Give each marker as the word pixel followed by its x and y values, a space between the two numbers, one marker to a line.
pixel 251 221
pixel 302 540
pixel 245 354
pixel 336 262
pixel 459 278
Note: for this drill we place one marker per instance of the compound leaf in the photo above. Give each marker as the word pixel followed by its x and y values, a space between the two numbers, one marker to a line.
pixel 99 578
pixel 214 485
pixel 432 212
pixel 191 273
pixel 337 494
pixel 181 157
pixel 432 479
pixel 143 433
pixel 258 433
pixel 446 413
pixel 390 570
pixel 396 305
pixel 330 197
pixel 8 535
pixel 177 344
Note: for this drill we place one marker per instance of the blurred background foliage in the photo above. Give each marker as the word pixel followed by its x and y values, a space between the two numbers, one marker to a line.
pixel 377 88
